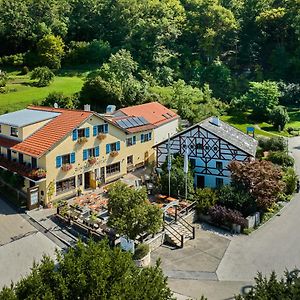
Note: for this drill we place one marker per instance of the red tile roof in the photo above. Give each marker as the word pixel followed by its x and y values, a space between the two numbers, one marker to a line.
pixel 153 112
pixel 53 132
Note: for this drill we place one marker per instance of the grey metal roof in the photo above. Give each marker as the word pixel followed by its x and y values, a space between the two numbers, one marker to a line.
pixel 26 117
pixel 226 132
pixel 231 134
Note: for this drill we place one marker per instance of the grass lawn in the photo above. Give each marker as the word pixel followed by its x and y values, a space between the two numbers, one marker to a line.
pixel 241 121
pixel 21 93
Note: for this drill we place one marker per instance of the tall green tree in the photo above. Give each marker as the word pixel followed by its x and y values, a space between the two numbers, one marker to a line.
pixel 130 212
pixel 92 271
pixel 50 51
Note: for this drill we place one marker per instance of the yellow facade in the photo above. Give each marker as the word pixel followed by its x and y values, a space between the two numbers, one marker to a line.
pixel 141 152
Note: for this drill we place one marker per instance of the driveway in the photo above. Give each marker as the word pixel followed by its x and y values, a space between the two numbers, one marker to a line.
pixel 274 246
pixel 20 245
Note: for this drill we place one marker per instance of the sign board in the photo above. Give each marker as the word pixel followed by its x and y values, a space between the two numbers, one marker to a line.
pixel 33 197
pixel 127 244
pixel 250 130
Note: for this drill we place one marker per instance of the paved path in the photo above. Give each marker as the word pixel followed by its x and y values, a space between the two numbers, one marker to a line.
pixel 275 246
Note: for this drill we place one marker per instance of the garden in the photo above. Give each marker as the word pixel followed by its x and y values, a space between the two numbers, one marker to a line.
pixel 258 189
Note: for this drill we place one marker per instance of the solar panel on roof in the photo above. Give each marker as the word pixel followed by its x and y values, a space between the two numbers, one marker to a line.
pixel 133 121
pixel 143 120
pixel 121 124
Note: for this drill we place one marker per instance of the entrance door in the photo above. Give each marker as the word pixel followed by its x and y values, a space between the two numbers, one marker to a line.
pixel 87 177
pixel 102 174
pixel 200 181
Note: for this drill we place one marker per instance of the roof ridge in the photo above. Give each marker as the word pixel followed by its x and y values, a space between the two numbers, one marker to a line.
pixel 49 108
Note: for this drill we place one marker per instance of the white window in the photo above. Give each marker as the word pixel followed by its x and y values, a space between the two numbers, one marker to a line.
pixel 14 131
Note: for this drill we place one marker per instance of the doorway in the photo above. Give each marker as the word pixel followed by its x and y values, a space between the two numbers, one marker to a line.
pixel 200 181
pixel 87 177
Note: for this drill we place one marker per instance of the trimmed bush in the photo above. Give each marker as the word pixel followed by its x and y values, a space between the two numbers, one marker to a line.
pixel 141 251
pixel 205 199
pixel 221 215
pixel 290 179
pixel 281 158
pixel 272 144
pixel 44 76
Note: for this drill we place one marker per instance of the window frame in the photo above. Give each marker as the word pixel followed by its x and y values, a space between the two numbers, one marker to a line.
pixel 66 159
pixel 14 131
pixel 113 169
pixel 66 185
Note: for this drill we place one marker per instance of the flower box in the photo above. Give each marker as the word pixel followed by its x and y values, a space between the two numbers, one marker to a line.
pixel 101 136
pixel 66 167
pixel 92 160
pixel 114 153
pixel 37 174
pixel 82 140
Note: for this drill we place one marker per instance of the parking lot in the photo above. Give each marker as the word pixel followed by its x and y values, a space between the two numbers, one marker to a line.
pixel 20 245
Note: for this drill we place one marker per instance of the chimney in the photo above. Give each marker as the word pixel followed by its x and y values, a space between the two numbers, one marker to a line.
pixel 215 121
pixel 87 107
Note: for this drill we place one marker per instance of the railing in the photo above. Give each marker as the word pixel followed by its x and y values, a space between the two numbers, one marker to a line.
pixel 188 226
pixel 181 239
pixel 185 211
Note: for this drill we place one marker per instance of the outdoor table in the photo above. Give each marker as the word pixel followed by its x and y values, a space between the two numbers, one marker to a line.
pixel 170 199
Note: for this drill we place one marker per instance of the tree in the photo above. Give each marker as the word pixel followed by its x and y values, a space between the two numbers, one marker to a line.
pixel 273 288
pixel 93 271
pixel 115 83
pixel 177 179
pixel 262 179
pixel 3 79
pixel 130 212
pixel 63 101
pixel 50 51
pixel 205 199
pixel 44 76
pixel 262 97
pixel 279 117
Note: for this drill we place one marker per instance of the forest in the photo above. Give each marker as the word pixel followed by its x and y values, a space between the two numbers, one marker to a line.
pixel 201 57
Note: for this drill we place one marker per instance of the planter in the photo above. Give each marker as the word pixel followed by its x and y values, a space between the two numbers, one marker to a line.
pixel 144 261
pixel 101 136
pixel 66 167
pixel 37 174
pixel 82 140
pixel 114 153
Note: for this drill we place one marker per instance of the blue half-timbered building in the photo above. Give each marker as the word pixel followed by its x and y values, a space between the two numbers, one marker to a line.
pixel 212 144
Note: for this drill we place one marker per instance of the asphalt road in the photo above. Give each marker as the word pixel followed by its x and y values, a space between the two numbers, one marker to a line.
pixel 275 246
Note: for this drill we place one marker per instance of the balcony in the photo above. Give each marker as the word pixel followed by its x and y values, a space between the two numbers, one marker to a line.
pixel 22 169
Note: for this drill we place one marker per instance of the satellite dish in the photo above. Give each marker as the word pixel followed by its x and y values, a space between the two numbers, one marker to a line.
pixel 55 105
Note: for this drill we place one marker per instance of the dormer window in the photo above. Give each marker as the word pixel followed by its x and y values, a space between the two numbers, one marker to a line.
pixel 14 131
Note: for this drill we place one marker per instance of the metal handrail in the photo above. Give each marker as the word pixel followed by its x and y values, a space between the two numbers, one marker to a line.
pixel 169 226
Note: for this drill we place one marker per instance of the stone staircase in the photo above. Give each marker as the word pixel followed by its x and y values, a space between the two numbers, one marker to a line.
pixel 177 233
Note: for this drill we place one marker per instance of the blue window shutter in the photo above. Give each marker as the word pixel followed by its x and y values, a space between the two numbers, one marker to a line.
pixel 118 145
pixel 142 138
pixel 134 140
pixel 72 158
pixel 105 128
pixel 95 131
pixel 87 132
pixel 150 135
pixel 58 161
pixel 75 135
pixel 85 154
pixel 107 148
pixel 97 151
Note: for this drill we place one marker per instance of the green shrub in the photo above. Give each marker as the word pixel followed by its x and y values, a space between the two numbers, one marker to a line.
pixel 281 158
pixel 272 144
pixel 279 117
pixel 290 179
pixel 15 60
pixel 44 76
pixel 237 199
pixel 205 199
pixel 25 70
pixel 141 251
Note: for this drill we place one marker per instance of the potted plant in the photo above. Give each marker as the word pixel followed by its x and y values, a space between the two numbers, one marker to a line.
pixel 101 136
pixel 142 256
pixel 82 140
pixel 40 173
pixel 92 160
pixel 66 167
pixel 114 153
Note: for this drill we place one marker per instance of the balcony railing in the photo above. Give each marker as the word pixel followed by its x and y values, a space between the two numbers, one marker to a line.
pixel 22 169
